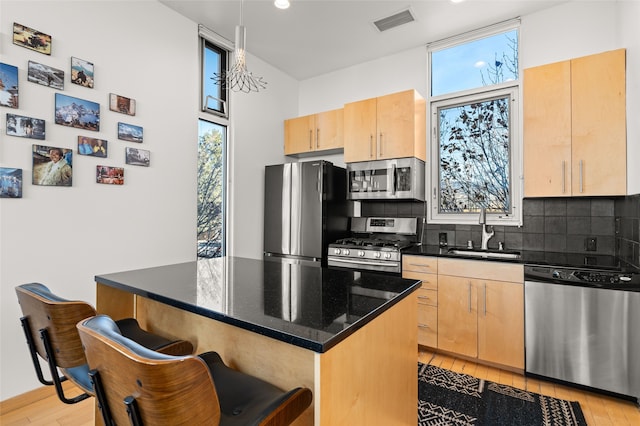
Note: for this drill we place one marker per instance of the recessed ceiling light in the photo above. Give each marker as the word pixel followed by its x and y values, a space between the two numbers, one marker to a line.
pixel 282 4
pixel 456 1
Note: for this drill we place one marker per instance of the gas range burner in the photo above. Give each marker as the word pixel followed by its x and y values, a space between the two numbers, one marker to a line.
pixel 372 243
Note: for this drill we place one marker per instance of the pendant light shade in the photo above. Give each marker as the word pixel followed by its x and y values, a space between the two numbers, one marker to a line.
pixel 238 78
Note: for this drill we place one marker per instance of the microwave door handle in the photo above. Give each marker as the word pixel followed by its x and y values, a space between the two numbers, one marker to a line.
pixel 393 179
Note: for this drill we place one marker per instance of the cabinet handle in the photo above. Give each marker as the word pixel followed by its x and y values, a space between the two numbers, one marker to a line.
pixel 424 297
pixel 423 326
pixel 563 173
pixel 421 265
pixel 484 296
pixel 580 176
pixel 310 139
pixel 318 138
pixel 469 290
pixel 380 147
pixel 370 146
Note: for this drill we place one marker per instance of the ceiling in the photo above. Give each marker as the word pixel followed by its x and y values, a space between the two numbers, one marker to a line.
pixel 315 37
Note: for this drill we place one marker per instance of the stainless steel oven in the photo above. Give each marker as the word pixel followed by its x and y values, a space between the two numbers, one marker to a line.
pixel 376 244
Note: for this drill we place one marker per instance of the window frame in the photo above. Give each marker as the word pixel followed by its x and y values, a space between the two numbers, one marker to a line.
pixel 511 88
pixel 209 39
pixel 219 118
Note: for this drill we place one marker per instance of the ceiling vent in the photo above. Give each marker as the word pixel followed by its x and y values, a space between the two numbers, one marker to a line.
pixel 395 20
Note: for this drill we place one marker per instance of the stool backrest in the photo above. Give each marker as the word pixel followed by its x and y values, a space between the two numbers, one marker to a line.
pixel 176 390
pixel 45 310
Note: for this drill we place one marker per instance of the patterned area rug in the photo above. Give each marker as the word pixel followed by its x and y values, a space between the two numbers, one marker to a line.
pixel 449 398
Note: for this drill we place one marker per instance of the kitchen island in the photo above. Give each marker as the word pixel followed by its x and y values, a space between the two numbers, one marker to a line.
pixel 348 336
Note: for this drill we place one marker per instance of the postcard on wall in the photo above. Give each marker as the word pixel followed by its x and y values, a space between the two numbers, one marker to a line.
pixel 110 175
pixel 82 72
pixel 129 132
pixel 121 104
pixel 92 146
pixel 78 113
pixel 31 39
pixel 25 127
pixel 8 85
pixel 52 166
pixel 10 183
pixel 45 75
pixel 137 157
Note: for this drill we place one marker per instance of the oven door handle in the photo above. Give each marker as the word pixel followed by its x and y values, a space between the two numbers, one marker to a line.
pixel 361 262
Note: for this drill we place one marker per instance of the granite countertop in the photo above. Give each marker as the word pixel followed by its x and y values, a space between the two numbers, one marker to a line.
pixel 594 261
pixel 316 309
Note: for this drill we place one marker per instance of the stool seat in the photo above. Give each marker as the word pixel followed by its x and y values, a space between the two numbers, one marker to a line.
pixel 142 386
pixel 49 324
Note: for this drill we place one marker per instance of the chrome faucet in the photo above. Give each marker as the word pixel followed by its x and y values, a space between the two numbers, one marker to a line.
pixel 486 236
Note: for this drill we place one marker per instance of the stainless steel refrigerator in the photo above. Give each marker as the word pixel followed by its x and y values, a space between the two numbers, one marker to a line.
pixel 305 209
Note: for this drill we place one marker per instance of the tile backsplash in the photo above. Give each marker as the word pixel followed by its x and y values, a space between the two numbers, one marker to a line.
pixel 602 225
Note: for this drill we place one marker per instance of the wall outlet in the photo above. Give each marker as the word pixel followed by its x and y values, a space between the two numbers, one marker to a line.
pixel 442 239
pixel 591 244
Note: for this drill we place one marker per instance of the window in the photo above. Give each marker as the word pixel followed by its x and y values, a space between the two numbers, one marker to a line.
pixel 214 61
pixel 213 139
pixel 211 188
pixel 474 104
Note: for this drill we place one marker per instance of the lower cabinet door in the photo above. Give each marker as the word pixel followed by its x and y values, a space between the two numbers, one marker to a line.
pixel 501 323
pixel 457 315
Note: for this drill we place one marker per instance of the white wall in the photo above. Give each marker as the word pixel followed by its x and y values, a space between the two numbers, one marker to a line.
pixel 63 237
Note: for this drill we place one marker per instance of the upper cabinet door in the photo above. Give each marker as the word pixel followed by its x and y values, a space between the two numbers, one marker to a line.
pixel 599 148
pixel 547 130
pixel 396 116
pixel 330 129
pixel 299 134
pixel 360 131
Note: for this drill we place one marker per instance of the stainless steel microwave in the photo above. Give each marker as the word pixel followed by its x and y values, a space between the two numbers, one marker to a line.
pixel 397 179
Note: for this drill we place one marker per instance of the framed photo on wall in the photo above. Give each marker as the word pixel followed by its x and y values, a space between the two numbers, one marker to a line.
pixel 137 157
pixel 25 127
pixel 31 39
pixel 110 175
pixel 82 72
pixel 129 132
pixel 122 104
pixel 8 85
pixel 78 113
pixel 45 75
pixel 10 183
pixel 92 146
pixel 52 166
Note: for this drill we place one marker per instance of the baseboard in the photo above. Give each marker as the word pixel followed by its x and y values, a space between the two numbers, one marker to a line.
pixel 20 401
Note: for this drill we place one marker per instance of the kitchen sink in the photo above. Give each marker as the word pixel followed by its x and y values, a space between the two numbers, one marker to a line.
pixel 488 254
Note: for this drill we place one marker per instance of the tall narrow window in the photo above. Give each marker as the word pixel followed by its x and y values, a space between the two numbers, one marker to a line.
pixel 474 127
pixel 213 140
pixel 211 188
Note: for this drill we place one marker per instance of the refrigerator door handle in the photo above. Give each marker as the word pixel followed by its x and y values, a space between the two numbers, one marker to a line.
pixel 320 173
pixel 296 209
pixel 286 209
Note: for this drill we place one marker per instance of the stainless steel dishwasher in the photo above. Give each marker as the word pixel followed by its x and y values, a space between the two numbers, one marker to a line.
pixel 582 326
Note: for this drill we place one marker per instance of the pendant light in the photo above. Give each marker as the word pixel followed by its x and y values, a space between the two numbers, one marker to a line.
pixel 238 78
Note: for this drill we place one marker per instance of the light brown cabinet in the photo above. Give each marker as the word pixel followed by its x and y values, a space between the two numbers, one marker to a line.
pixel 471 308
pixel 426 269
pixel 575 127
pixel 391 126
pixel 313 133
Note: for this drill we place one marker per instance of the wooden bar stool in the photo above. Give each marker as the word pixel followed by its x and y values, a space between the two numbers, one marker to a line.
pixel 139 386
pixel 49 324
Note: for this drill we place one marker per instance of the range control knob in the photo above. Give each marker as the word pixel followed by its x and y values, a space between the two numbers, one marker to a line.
pixel 361 253
pixel 346 252
pixel 387 255
pixel 337 251
pixel 556 274
pixel 377 255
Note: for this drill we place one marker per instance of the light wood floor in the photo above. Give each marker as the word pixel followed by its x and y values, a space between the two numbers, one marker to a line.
pixel 42 407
